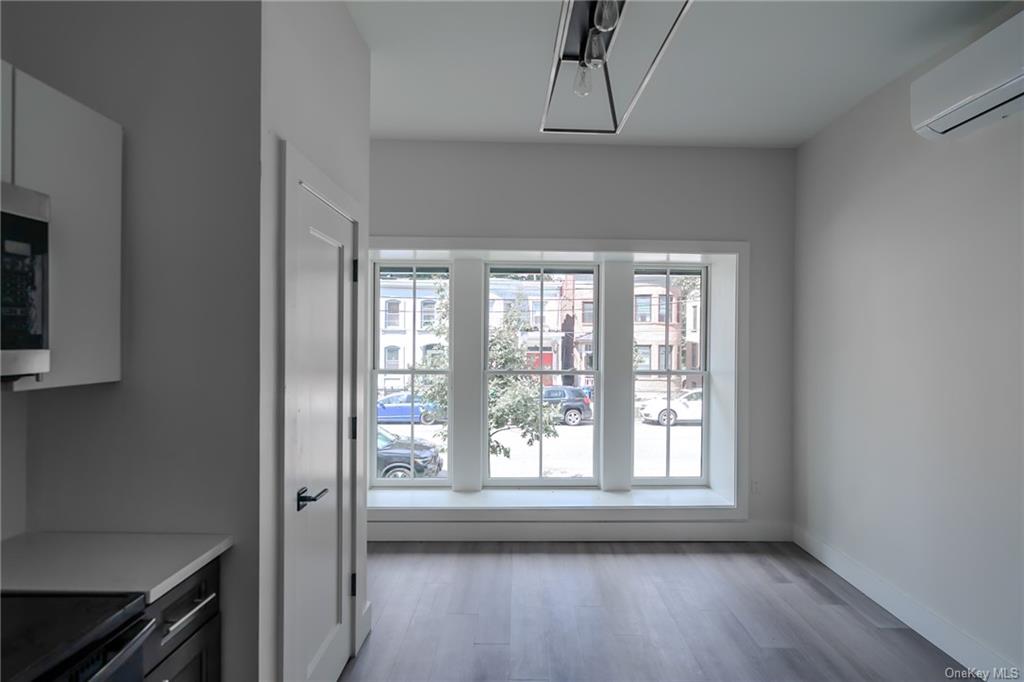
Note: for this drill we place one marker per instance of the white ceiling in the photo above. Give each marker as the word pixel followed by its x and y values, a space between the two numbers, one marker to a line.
pixel 737 73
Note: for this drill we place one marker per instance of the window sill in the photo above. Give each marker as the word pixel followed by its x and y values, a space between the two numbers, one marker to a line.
pixel 494 504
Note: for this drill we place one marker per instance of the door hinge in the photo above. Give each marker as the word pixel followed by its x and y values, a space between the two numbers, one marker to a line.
pixel 353 585
pixel 352 429
pixel 355 269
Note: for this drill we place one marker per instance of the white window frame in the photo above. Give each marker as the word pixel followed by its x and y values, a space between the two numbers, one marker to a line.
pixel 376 370
pixel 540 481
pixel 703 372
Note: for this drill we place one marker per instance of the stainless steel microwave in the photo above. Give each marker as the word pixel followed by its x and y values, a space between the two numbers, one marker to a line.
pixel 24 347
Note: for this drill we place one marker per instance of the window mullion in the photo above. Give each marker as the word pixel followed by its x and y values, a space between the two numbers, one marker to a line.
pixel 540 381
pixel 467 432
pixel 616 358
pixel 668 389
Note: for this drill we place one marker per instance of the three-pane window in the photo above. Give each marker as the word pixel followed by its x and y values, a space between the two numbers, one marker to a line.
pixel 540 374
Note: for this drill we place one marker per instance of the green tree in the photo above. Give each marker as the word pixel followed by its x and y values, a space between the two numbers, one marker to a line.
pixel 514 402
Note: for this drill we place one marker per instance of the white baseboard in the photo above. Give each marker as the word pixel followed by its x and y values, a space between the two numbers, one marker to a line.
pixel 601 531
pixel 967 650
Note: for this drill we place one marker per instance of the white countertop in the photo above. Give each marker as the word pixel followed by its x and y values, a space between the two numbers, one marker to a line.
pixel 152 563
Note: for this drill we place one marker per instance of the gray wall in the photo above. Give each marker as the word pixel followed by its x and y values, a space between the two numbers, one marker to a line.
pixel 908 369
pixel 551 190
pixel 316 94
pixel 174 446
pixel 13 461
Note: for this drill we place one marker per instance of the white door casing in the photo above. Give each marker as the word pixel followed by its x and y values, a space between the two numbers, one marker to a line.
pixel 319 238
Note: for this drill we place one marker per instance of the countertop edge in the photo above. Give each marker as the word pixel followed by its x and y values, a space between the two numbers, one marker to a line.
pixel 179 576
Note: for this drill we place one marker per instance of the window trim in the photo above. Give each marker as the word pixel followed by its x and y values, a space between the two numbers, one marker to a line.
pixel 490 481
pixel 728 355
pixel 373 481
pixel 705 446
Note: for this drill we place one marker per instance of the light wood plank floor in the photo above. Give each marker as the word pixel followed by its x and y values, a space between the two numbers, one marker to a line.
pixel 612 612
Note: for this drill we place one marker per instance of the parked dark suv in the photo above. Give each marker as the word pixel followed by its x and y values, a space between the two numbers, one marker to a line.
pixel 393 456
pixel 572 401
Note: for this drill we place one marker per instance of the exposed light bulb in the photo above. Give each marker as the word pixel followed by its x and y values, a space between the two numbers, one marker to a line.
pixel 606 15
pixel 581 84
pixel 594 54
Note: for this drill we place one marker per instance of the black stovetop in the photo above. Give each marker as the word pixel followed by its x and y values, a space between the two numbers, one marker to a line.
pixel 40 630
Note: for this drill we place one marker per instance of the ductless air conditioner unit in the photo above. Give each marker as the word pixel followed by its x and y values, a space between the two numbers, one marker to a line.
pixel 982 83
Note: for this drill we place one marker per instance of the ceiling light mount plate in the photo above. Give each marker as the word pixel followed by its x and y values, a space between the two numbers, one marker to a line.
pixel 601 116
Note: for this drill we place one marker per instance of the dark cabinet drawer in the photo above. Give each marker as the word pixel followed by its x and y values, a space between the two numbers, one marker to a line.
pixel 197 660
pixel 182 612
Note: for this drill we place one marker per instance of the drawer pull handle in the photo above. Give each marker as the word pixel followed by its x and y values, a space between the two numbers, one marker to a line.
pixel 184 620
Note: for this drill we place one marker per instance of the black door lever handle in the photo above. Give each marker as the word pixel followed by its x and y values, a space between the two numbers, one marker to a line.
pixel 302 499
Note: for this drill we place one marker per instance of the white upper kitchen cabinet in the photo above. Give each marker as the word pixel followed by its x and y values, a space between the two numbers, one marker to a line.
pixel 73 154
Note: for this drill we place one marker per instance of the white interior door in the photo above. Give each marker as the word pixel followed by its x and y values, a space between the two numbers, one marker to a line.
pixel 318 451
